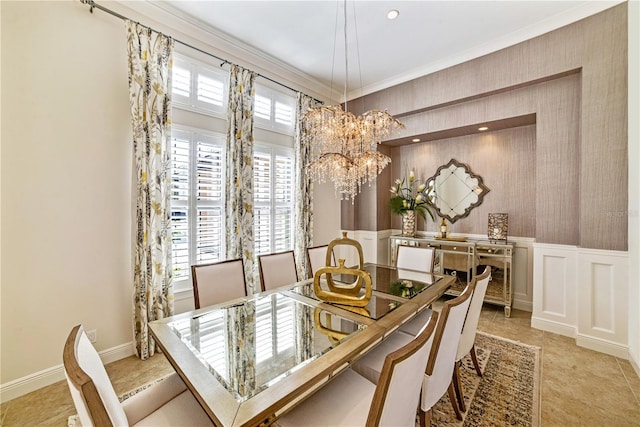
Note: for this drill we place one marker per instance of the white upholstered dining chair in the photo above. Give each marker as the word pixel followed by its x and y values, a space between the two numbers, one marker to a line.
pixel 218 282
pixel 468 335
pixel 317 258
pixel 277 270
pixel 351 400
pixel 437 378
pixel 415 258
pixel 167 403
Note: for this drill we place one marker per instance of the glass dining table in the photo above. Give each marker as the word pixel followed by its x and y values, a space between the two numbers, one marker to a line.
pixel 250 360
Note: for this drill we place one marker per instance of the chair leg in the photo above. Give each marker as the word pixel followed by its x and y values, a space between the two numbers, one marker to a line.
pixel 474 359
pixel 424 417
pixel 452 398
pixel 457 385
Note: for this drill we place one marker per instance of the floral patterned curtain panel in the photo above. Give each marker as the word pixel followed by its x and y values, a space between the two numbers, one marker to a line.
pixel 303 188
pixel 150 58
pixel 239 189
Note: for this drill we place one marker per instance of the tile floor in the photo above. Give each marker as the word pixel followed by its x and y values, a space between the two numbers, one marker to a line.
pixel 579 387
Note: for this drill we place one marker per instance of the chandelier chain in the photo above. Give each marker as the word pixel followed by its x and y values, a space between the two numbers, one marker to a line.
pixel 343 146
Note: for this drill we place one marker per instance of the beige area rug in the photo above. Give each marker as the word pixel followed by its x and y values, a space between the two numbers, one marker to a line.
pixel 508 393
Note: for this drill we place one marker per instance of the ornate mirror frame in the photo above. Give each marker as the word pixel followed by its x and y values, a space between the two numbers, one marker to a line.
pixel 454 190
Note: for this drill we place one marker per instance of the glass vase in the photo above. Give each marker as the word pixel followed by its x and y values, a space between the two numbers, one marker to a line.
pixel 409 223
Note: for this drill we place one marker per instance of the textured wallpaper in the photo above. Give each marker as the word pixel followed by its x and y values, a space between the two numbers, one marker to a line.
pixel 564 178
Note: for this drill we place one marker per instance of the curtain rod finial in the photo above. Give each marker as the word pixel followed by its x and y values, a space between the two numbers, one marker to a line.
pixel 90 3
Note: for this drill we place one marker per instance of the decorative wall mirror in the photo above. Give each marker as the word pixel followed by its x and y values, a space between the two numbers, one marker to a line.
pixel 454 190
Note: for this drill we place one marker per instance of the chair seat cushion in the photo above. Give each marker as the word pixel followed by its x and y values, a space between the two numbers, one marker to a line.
pixel 370 365
pixel 152 398
pixel 184 410
pixel 345 401
pixel 415 325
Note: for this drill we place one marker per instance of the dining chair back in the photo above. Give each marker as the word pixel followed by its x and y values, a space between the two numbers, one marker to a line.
pixel 468 335
pixel 398 389
pixel 350 399
pixel 439 372
pixel 317 258
pixel 277 270
pixel 167 403
pixel 218 282
pixel 415 258
pixel 91 389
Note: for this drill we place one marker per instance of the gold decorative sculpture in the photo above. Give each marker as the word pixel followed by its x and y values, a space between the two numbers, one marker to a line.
pixel 352 289
pixel 343 294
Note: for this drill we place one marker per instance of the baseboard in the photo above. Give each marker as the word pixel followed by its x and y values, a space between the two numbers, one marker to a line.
pixel 32 382
pixel 603 346
pixel 523 305
pixel 554 327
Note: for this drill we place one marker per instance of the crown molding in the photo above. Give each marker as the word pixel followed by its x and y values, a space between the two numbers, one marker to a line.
pixel 210 39
pixel 179 25
pixel 577 13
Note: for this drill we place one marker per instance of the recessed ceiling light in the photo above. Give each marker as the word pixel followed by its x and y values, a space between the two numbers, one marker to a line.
pixel 483 128
pixel 415 140
pixel 393 14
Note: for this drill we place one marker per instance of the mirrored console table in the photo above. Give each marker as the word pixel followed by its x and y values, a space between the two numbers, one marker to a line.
pixel 465 257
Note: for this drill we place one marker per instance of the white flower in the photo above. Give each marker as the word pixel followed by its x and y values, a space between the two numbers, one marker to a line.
pixel 398 182
pixel 393 190
pixel 421 188
pixel 411 176
pixel 418 198
pixel 405 204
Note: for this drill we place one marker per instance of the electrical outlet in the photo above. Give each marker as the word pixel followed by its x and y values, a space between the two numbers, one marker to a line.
pixel 92 335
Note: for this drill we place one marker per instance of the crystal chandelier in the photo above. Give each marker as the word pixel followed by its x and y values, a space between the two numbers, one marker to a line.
pixel 343 146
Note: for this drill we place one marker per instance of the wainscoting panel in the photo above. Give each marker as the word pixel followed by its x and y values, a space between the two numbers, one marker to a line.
pixel 582 293
pixel 602 301
pixel 375 245
pixel 522 265
pixel 554 289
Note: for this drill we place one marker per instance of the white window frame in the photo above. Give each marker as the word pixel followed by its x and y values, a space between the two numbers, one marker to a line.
pixel 276 95
pixel 196 69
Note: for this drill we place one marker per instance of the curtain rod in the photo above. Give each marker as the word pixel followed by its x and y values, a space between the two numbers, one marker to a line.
pixel 93 5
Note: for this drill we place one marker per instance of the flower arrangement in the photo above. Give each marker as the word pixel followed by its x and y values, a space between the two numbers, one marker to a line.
pixel 407 198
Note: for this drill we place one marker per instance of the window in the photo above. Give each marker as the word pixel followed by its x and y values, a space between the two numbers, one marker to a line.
pixel 274 110
pixel 273 199
pixel 197 198
pixel 199 102
pixel 198 87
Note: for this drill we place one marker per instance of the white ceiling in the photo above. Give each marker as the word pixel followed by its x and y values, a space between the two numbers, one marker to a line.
pixel 426 37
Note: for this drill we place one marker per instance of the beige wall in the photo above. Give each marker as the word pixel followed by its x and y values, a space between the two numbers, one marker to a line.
pixel 574 80
pixel 66 183
pixel 66 179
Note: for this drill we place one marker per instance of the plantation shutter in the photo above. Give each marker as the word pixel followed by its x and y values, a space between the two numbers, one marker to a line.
pixel 262 202
pixel 209 197
pixel 197 87
pixel 180 181
pixel 283 197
